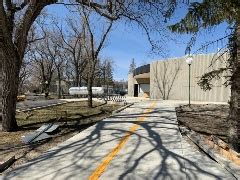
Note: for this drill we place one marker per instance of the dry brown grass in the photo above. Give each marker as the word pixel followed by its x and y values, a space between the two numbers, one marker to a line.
pixel 75 117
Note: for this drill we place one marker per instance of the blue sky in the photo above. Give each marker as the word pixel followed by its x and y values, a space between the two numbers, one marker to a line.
pixel 126 42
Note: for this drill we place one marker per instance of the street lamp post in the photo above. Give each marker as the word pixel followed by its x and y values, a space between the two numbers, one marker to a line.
pixel 189 62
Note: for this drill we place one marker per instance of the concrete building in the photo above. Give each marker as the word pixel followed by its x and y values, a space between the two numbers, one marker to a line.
pixel 169 79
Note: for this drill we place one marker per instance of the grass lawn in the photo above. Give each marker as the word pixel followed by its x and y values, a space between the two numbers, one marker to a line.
pixel 74 117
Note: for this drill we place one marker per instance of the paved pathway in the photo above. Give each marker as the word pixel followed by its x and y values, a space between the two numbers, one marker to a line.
pixel 28 104
pixel 141 142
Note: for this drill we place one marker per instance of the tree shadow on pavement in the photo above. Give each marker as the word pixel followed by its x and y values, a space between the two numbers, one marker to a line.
pixel 53 163
pixel 163 171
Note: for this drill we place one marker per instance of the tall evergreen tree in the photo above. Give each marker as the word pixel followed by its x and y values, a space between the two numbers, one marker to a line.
pixel 208 14
pixel 132 66
pixel 109 72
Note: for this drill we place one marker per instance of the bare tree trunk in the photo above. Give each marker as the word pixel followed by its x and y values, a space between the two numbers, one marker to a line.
pixel 59 84
pixel 1 85
pixel 10 77
pixel 107 88
pixel 20 88
pixel 11 69
pixel 89 87
pixel 234 114
pixel 80 79
pixel 13 50
pixel 47 89
pixel 77 77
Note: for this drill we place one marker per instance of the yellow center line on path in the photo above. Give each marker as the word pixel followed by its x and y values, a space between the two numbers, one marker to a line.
pixel 107 160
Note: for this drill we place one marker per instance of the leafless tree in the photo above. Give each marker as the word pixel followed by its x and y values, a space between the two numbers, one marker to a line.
pixel 120 85
pixel 93 46
pixel 164 76
pixel 36 33
pixel 104 72
pixel 73 41
pixel 42 59
pixel 25 73
pixel 56 52
pixel 13 36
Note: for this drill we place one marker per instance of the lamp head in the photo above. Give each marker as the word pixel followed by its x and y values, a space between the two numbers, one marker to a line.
pixel 189 59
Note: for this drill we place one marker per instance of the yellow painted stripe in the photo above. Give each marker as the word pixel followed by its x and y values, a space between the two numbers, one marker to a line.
pixel 107 160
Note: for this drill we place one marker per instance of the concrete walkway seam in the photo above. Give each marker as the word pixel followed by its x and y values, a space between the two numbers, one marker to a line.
pixel 122 108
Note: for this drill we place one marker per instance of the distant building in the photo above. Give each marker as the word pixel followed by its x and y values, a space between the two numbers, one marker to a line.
pixel 157 79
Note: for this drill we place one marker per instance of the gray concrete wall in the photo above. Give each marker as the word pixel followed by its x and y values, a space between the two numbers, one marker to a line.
pixel 131 81
pixel 179 91
pixel 144 90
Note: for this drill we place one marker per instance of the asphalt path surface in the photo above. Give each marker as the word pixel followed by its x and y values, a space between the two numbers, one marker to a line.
pixel 35 101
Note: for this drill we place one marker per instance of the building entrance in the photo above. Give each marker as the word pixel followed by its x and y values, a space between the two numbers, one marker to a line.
pixel 135 90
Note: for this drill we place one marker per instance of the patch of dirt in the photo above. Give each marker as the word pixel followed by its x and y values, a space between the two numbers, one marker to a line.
pixel 75 117
pixel 208 119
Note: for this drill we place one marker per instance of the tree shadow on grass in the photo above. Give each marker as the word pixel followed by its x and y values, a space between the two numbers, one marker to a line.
pixel 76 157
pixel 68 128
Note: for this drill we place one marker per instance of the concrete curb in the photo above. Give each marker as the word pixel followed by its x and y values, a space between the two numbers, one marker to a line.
pixel 113 113
pixel 228 165
pixel 41 107
pixel 122 108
